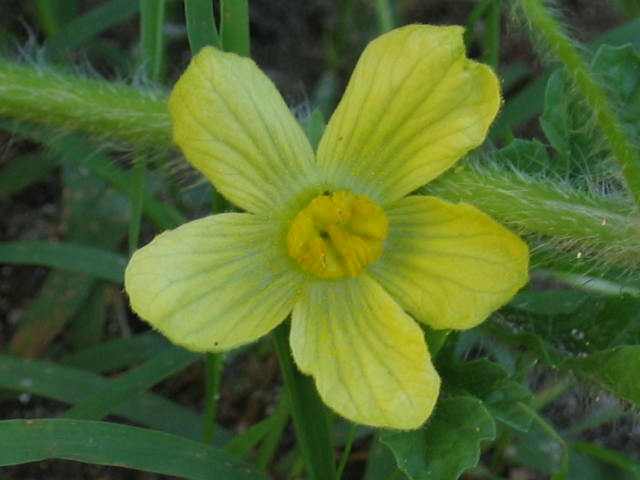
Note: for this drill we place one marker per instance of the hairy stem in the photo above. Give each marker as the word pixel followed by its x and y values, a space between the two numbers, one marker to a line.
pixel 141 119
pixel 620 144
pixel 97 107
pixel 543 207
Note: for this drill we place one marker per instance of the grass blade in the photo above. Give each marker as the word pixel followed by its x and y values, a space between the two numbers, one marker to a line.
pixel 25 171
pixel 117 354
pixel 606 455
pixel 54 13
pixel 201 27
pixel 105 443
pixel 234 26
pixel 152 16
pixel 66 256
pixel 99 404
pixel 82 28
pixel 71 385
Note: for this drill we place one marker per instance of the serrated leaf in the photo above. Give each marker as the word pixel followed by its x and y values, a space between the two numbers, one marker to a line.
pixel 598 323
pixel 512 334
pixel 569 124
pixel 447 445
pixel 381 464
pixel 619 68
pixel 529 156
pixel 617 370
pixel 549 302
pixel 489 382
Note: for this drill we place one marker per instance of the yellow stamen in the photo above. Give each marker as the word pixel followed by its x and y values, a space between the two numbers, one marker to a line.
pixel 337 234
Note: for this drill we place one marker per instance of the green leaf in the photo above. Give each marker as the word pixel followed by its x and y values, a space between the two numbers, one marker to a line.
pixel 71 385
pixel 591 324
pixel 308 412
pixel 269 446
pixel 549 302
pixel 242 444
pixel 52 14
pixel 619 68
pixel 571 127
pixel 568 125
pixel 88 323
pixel 82 28
pixel 513 336
pixel 66 256
pixel 617 370
pixel 61 295
pixel 381 464
pixel 105 443
pixel 117 354
pixel 172 360
pixel 234 26
pixel 489 382
pixel 26 170
pixel 607 456
pixel 201 27
pixel 541 448
pixel 529 156
pixel 152 34
pixel 526 104
pixel 447 445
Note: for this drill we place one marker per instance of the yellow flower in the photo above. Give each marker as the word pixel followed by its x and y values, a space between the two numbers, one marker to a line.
pixel 335 238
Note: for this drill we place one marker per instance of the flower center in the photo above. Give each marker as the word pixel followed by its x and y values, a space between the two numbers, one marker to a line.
pixel 337 234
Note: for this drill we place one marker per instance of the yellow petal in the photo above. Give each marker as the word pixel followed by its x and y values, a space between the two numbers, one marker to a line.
pixel 233 126
pixel 369 358
pixel 214 283
pixel 449 265
pixel 414 106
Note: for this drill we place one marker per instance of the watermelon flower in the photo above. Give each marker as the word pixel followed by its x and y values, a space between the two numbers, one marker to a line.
pixel 335 238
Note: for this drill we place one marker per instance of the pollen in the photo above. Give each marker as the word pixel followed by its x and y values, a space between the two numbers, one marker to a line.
pixel 338 234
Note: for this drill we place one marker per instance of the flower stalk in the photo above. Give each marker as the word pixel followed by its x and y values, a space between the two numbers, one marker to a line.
pixel 308 412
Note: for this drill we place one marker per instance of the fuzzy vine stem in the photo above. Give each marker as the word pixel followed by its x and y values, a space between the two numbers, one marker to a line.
pixel 108 109
pixel 603 226
pixel 140 118
pixel 562 46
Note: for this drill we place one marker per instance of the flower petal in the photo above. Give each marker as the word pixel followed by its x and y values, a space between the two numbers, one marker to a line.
pixel 449 265
pixel 414 106
pixel 233 126
pixel 214 283
pixel 368 357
